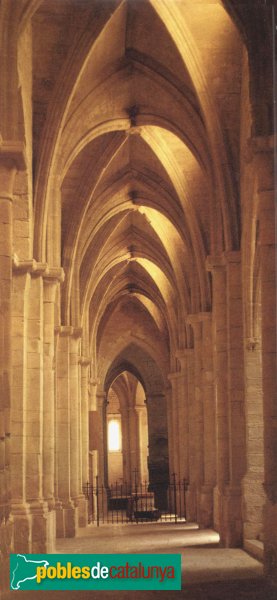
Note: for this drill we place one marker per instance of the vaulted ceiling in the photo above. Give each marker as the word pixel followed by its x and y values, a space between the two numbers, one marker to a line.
pixel 136 161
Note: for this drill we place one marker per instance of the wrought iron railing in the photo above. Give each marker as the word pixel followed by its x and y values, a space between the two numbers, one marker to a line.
pixel 139 502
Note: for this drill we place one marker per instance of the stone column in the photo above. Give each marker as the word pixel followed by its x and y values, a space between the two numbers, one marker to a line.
pixel 209 454
pixel 75 427
pixel 12 159
pixel 142 450
pixel 34 412
pixel 102 451
pixel 101 403
pixel 85 364
pixel 93 430
pixel 158 445
pixel 126 444
pixel 145 445
pixel 217 266
pixel 30 511
pixel 204 417
pixel 134 443
pixel 267 241
pixel 66 512
pixel 254 496
pixel 75 336
pixel 170 426
pixel 20 508
pixel 51 281
pixel 183 430
pixel 195 322
pixel 183 415
pixel 229 379
pixel 192 449
pixel 232 505
pixel 174 426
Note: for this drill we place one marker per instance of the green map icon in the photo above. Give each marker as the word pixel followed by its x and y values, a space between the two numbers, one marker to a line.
pixel 24 569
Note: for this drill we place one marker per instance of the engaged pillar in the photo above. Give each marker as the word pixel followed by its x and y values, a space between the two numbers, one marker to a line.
pixel 267 241
pixel 217 266
pixel 51 281
pixel 232 506
pixel 66 512
pixel 12 159
pixel 208 395
pixel 195 322
pixel 84 446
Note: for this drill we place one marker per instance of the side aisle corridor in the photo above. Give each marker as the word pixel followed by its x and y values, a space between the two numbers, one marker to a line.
pixel 138 284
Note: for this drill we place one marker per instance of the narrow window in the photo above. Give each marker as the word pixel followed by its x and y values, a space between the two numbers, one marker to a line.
pixel 114 437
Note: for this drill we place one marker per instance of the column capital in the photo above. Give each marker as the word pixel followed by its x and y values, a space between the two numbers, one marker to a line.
pixel 155 395
pixel 199 317
pixel 266 213
pixel 29 266
pixel 183 355
pixel 13 154
pixel 77 332
pixel 258 145
pixel 84 361
pixel 197 328
pixel 262 155
pixel 68 330
pixel 63 330
pixel 266 201
pixel 261 143
pixel 252 343
pixel 232 256
pixel 174 376
pixel 54 275
pixel 94 382
pixel 51 279
pixel 101 399
pixel 35 268
pixel 215 262
pixel 220 261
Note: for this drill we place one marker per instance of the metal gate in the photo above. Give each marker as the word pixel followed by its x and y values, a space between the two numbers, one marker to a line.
pixel 125 502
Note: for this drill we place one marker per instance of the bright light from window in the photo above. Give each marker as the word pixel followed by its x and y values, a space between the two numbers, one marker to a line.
pixel 114 437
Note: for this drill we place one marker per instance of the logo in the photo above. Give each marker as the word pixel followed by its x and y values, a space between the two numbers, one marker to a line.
pixel 25 570
pixel 95 571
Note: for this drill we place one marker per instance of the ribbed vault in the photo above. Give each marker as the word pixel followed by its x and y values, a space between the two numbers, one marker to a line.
pixel 143 147
pixel 146 189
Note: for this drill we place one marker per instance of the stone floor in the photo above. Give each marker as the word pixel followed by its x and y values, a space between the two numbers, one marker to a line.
pixel 208 571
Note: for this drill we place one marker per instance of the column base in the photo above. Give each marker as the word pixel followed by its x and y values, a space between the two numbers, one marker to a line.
pixel 66 520
pixel 231 529
pixel 191 505
pixel 270 542
pixel 43 534
pixel 206 506
pixel 252 531
pixel 82 505
pixel 253 508
pixel 22 528
pixel 217 508
pixel 33 528
pixel 6 547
